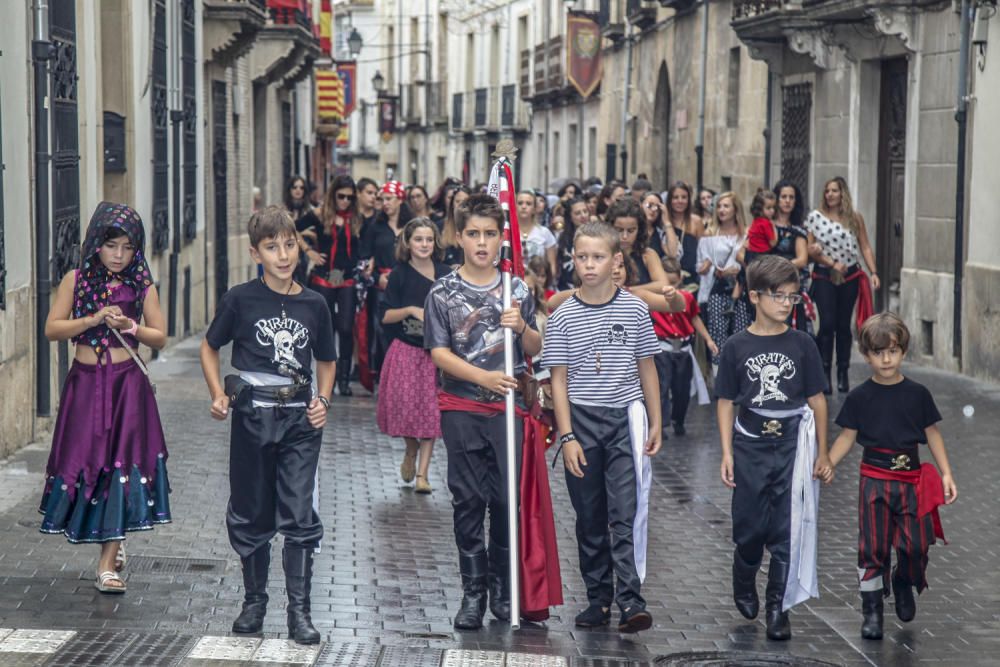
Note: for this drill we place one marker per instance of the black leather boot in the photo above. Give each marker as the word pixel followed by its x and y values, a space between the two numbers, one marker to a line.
pixel 499 582
pixel 778 626
pixel 298 581
pixel 745 586
pixel 344 387
pixel 843 385
pixel 474 571
pixel 902 594
pixel 255 567
pixel 871 612
pixel 829 382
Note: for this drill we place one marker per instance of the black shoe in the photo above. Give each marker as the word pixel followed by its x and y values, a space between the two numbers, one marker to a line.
pixel 634 619
pixel 679 428
pixel 843 385
pixel 498 582
pixel 778 626
pixel 594 616
pixel 745 587
pixel 474 572
pixel 871 612
pixel 828 389
pixel 255 567
pixel 344 387
pixel 298 581
pixel 906 605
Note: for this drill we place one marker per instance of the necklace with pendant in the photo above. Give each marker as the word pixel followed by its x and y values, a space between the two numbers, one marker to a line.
pixel 287 292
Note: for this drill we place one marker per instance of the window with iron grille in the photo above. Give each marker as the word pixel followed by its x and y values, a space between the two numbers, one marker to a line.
pixel 190 166
pixel 796 115
pixel 733 94
pixel 480 108
pixel 161 167
pixel 286 142
pixel 456 111
pixel 65 143
pixel 3 251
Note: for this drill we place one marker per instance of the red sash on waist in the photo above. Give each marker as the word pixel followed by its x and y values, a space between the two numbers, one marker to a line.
pixel 541 582
pixel 930 490
pixel 864 308
pixel 322 282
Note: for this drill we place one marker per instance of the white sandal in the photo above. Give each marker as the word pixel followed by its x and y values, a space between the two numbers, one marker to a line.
pixel 120 557
pixel 103 578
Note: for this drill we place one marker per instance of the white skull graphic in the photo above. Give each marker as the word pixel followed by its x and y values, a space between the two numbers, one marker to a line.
pixel 284 348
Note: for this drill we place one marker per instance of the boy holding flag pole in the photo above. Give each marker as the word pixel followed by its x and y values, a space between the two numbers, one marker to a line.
pixel 479 324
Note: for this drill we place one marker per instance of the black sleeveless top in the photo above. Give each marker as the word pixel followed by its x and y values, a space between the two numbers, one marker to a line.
pixel 641 272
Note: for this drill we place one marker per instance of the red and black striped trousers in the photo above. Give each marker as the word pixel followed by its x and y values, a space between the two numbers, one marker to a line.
pixel 887 519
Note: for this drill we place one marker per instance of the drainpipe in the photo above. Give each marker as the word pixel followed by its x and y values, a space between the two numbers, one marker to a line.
pixel 961 117
pixel 546 18
pixel 768 120
pixel 41 52
pixel 699 145
pixel 629 36
pixel 176 117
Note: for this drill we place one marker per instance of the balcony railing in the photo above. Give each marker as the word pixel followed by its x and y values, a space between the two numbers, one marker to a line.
pixel 746 8
pixel 411 103
pixel 456 112
pixel 482 104
pixel 283 13
pixel 437 102
pixel 553 52
pixel 259 4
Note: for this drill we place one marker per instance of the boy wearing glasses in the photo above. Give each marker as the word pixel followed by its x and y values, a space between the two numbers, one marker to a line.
pixel 774 447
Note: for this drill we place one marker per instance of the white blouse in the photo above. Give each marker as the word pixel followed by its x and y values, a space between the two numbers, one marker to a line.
pixel 839 243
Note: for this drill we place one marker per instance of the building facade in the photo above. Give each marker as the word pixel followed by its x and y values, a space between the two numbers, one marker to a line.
pixel 175 107
pixel 868 91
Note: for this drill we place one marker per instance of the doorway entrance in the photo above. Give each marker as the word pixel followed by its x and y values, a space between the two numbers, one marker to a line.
pixel 891 180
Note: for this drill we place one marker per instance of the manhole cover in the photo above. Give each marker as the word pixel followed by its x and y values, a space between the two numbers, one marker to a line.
pixel 165 565
pixel 736 659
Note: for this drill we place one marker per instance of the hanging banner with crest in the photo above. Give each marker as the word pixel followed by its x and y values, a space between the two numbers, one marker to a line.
pixel 583 54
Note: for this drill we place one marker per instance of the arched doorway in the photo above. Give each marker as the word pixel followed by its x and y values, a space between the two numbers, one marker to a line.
pixel 660 162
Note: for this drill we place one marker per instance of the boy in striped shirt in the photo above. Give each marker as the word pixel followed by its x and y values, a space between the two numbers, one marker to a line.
pixel 600 347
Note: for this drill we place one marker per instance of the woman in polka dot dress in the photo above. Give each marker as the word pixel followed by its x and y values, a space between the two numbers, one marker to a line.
pixel 837 239
pixel 107 470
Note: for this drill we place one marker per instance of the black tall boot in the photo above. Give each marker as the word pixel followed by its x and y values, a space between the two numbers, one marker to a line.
pixel 902 593
pixel 499 582
pixel 778 626
pixel 843 384
pixel 871 611
pixel 829 381
pixel 745 586
pixel 474 571
pixel 255 567
pixel 298 581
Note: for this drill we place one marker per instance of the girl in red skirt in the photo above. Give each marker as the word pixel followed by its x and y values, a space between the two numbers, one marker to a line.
pixel 407 399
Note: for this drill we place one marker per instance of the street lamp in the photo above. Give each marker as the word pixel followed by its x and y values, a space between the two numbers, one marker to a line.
pixel 378 82
pixel 354 42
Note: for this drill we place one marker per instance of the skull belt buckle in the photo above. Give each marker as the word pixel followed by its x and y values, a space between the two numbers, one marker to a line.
pixel 284 394
pixel 900 462
pixel 771 427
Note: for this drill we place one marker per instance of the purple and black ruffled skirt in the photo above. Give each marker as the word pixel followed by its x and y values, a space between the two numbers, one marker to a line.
pixel 107 470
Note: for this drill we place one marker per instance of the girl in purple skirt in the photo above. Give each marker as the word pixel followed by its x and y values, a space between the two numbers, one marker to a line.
pixel 407 395
pixel 107 471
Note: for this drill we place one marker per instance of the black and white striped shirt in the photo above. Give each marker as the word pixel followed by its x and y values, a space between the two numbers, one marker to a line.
pixel 601 345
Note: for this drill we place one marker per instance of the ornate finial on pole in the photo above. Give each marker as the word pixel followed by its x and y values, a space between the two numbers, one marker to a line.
pixel 505 150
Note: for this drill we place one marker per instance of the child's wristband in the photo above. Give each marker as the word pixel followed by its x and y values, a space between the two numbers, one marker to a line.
pixel 132 329
pixel 566 437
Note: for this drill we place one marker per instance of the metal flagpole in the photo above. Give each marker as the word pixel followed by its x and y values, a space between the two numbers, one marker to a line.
pixel 505 152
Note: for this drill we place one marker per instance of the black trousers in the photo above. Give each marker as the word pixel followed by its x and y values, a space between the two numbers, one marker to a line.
pixel 887 520
pixel 342 302
pixel 762 499
pixel 273 453
pixel 605 498
pixel 377 346
pixel 674 371
pixel 836 314
pixel 477 476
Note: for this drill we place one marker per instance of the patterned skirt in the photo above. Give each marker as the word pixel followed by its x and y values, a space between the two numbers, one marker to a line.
pixel 407 393
pixel 107 469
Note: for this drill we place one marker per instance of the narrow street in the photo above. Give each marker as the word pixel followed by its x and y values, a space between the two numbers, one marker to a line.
pixel 387 584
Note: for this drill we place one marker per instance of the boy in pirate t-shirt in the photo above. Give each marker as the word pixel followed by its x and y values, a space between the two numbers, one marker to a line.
pixel 774 447
pixel 464 321
pixel 276 328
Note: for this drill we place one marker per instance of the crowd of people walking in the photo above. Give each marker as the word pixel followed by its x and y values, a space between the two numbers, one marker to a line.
pixel 632 302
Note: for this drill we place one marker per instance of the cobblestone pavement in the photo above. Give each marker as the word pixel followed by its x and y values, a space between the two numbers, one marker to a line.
pixel 386 583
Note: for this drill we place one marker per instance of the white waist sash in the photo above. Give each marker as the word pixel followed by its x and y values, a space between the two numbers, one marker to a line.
pixel 638 427
pixel 802 582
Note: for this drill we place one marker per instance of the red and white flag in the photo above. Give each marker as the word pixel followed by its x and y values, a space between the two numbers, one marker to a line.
pixel 501 187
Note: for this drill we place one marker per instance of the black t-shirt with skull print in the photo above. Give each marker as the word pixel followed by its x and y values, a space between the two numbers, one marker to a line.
pixel 770 372
pixel 250 315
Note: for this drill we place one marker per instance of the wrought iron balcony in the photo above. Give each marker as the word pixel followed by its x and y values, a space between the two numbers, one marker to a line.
pixel 747 8
pixel 456 112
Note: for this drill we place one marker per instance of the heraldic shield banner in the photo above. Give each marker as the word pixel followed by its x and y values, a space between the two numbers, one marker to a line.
pixel 583 54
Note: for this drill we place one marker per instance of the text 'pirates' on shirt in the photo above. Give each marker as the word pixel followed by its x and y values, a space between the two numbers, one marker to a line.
pixel 770 372
pixel 601 345
pixel 465 318
pixel 249 315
